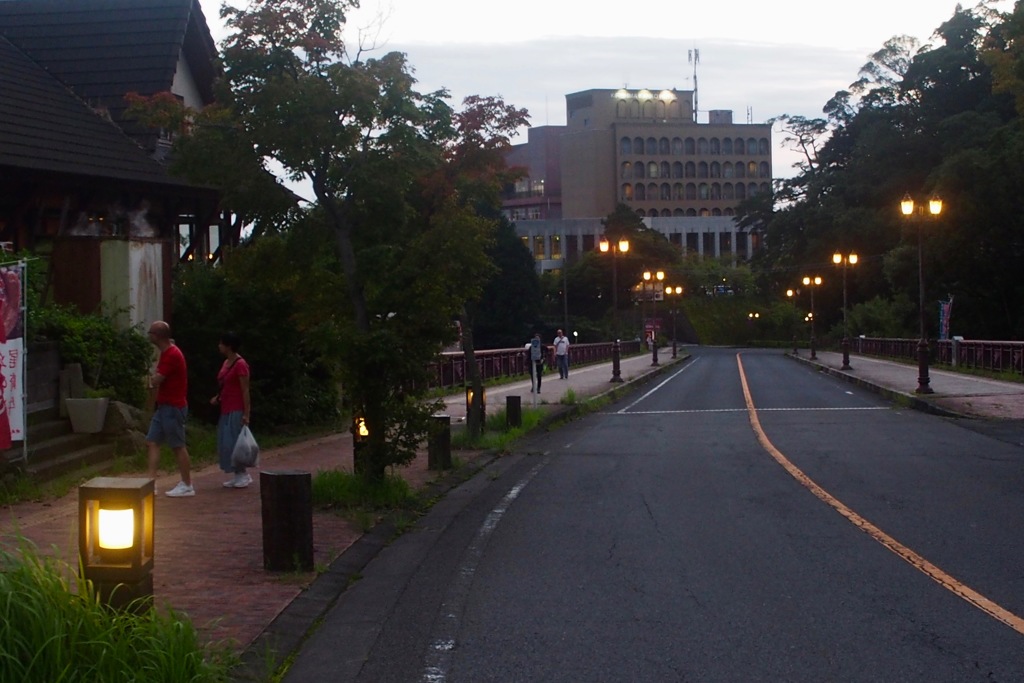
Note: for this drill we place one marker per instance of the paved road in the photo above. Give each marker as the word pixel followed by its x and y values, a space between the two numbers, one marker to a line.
pixel 682 536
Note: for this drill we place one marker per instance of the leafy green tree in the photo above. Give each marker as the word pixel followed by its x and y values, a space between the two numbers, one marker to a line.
pixel 397 175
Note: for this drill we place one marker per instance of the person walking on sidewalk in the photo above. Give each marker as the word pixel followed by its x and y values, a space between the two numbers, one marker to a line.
pixel 170 381
pixel 233 397
pixel 562 355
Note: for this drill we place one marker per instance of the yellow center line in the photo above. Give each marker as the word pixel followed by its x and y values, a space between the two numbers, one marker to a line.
pixel 936 574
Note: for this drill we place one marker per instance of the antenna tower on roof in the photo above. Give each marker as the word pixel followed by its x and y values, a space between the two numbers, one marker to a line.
pixel 694 59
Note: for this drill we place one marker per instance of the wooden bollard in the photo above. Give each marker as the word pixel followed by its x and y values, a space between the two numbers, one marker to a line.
pixel 439 443
pixel 513 411
pixel 286 498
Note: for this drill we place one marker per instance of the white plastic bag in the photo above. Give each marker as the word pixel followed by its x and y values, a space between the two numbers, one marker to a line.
pixel 246 452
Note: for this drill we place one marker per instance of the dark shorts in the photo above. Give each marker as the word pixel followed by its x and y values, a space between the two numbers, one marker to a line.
pixel 168 426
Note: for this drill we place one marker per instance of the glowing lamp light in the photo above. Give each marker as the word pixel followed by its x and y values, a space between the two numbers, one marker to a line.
pixel 645 95
pixel 116 529
pixel 623 94
pixel 667 96
pixel 469 398
pixel 115 539
pixel 359 429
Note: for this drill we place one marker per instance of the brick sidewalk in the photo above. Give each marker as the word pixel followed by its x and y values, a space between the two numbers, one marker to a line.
pixel 208 557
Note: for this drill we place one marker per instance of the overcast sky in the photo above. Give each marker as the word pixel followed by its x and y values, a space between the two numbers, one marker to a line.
pixel 765 58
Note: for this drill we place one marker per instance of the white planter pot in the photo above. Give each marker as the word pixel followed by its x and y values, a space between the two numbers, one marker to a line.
pixel 87 414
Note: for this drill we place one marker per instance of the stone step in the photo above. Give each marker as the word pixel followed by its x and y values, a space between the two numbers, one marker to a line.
pixel 46 449
pixel 98 455
pixel 50 429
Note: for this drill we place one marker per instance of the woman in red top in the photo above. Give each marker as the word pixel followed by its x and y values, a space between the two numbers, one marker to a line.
pixel 233 398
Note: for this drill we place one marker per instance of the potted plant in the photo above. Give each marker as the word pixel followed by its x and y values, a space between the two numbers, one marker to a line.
pixel 90 413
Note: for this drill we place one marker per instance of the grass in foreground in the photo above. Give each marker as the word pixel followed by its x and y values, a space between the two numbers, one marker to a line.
pixel 55 629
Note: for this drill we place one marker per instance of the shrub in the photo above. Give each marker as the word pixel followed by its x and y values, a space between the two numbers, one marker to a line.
pixel 114 360
pixel 55 629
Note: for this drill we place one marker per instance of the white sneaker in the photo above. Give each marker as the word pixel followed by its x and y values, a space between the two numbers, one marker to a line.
pixel 240 481
pixel 181 491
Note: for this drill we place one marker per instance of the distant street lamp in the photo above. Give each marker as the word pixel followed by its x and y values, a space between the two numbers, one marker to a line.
pixel 674 291
pixel 615 248
pixel 792 293
pixel 648 276
pixel 918 214
pixel 845 260
pixel 812 282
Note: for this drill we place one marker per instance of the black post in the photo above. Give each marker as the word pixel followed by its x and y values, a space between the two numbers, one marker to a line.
pixel 654 349
pixel 846 335
pixel 513 411
pixel 616 372
pixel 673 333
pixel 814 356
pixel 439 443
pixel 286 501
pixel 923 380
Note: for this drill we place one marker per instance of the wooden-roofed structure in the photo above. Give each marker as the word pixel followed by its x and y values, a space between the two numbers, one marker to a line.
pixel 79 181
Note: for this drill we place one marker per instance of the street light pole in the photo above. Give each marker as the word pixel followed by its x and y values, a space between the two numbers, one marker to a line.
pixel 622 246
pixel 845 260
pixel 677 290
pixel 812 283
pixel 934 209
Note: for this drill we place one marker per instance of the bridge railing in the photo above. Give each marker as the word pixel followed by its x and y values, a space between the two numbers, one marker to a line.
pixel 450 369
pixel 994 356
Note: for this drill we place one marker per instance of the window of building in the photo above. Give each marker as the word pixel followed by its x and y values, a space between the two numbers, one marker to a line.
pixel 691 191
pixel 705 213
pixel 702 169
pixel 716 169
pixel 677 169
pixel 691 212
pixel 677 191
pixel 651 147
pixel 627 192
pixel 741 148
pixel 764 188
pixel 741 191
pixel 652 191
pixel 638 145
pixel 677 147
pixel 625 146
pixel 716 146
pixel 652 169
pixel 537 188
pixel 752 190
pixel 703 191
pixel 728 192
pixel 716 212
pixel 752 169
pixel 641 213
pixel 691 146
pixel 678 212
pixel 691 169
pixel 638 169
pixel 741 170
pixel 666 192
pixel 627 170
pixel 533 213
pixel 751 146
pixel 665 213
pixel 556 246
pixel 729 212
pixel 763 171
pixel 762 146
pixel 702 146
pixel 727 171
pixel 640 192
pixel 538 247
pixel 727 146
pixel 663 147
pixel 665 170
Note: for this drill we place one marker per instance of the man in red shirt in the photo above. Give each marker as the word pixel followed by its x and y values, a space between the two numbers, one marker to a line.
pixel 170 381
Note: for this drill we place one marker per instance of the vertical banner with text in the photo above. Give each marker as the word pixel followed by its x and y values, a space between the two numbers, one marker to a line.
pixel 12 354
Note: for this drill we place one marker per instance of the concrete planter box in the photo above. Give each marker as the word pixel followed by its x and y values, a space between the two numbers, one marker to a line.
pixel 87 414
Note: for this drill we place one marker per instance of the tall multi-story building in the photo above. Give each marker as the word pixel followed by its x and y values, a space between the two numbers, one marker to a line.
pixel 647 150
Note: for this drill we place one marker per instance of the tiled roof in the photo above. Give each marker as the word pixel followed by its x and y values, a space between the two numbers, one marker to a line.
pixel 103 49
pixel 65 67
pixel 45 127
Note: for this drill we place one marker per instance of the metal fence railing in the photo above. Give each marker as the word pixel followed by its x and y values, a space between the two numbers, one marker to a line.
pixel 450 369
pixel 994 356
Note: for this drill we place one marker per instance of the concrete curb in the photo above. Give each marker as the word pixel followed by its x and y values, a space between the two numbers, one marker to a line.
pixel 900 397
pixel 285 635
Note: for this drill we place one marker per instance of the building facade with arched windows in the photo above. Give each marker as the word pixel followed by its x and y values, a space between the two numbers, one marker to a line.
pixel 647 150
